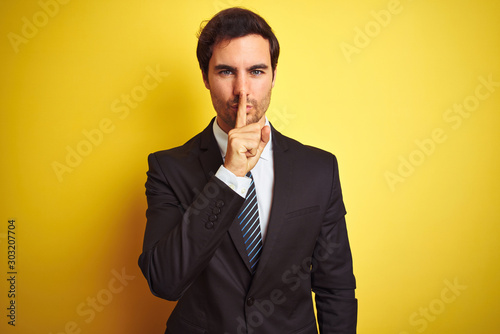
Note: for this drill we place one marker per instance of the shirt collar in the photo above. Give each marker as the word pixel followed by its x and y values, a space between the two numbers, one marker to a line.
pixel 221 138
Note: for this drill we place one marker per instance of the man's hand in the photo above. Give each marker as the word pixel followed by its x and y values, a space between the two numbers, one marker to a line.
pixel 245 142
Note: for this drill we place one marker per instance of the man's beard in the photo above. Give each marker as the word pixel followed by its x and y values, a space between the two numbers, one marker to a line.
pixel 228 115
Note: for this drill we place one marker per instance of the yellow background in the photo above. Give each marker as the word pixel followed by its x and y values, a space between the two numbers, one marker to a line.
pixel 435 226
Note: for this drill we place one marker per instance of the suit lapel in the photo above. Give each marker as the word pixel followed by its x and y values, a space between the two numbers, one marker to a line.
pixel 210 157
pixel 239 243
pixel 283 174
pixel 211 160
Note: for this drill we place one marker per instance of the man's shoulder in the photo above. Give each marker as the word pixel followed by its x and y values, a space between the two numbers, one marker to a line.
pixel 302 150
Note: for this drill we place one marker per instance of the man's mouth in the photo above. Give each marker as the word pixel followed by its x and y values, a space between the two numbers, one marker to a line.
pixel 235 107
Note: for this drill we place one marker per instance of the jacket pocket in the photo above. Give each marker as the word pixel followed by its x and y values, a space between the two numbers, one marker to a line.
pixel 302 212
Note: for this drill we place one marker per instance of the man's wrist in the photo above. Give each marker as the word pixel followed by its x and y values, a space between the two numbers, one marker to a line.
pixel 239 184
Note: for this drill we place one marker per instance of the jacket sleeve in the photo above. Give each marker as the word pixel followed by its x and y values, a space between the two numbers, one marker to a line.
pixel 181 238
pixel 332 274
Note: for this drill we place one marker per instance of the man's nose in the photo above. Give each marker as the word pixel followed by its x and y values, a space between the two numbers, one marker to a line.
pixel 241 83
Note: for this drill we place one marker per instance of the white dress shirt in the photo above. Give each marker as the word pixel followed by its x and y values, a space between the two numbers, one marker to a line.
pixel 262 173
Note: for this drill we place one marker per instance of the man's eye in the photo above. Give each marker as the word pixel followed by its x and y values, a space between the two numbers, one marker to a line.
pixel 257 72
pixel 226 72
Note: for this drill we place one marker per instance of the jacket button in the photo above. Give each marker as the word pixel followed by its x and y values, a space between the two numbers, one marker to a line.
pixel 209 225
pixel 216 211
pixel 250 301
pixel 212 218
pixel 220 203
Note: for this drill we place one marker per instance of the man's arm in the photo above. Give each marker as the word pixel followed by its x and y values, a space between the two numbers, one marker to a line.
pixel 181 238
pixel 332 279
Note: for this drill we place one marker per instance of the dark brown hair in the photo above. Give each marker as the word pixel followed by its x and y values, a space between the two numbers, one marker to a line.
pixel 233 23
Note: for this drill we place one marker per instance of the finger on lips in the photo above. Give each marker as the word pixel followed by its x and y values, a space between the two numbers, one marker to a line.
pixel 241 115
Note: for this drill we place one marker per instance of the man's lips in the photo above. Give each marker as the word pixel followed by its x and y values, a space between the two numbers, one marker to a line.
pixel 235 107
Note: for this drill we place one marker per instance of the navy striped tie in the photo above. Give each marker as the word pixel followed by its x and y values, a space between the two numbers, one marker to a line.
pixel 250 226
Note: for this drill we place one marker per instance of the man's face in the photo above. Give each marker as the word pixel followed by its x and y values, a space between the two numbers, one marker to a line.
pixel 240 64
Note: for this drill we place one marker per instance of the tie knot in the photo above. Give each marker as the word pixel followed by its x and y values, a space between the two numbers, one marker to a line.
pixel 249 174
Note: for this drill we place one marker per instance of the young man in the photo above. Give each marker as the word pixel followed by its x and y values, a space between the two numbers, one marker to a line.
pixel 243 222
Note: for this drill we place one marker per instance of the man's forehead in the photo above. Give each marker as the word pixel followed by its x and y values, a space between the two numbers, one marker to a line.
pixel 249 48
pixel 224 42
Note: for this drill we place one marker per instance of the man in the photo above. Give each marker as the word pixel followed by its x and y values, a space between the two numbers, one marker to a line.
pixel 243 222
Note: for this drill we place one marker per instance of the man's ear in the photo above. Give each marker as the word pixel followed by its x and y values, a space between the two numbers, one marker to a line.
pixel 274 76
pixel 205 80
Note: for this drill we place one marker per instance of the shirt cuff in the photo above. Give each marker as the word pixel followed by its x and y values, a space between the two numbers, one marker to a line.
pixel 239 184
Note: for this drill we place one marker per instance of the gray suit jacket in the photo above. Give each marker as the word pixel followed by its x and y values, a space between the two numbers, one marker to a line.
pixel 194 253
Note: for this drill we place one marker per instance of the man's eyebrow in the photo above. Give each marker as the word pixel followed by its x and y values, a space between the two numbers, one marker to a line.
pixel 224 67
pixel 251 68
pixel 258 67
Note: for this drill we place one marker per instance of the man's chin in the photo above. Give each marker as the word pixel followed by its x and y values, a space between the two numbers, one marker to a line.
pixel 255 119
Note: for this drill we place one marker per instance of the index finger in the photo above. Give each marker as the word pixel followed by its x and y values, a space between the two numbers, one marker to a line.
pixel 241 114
